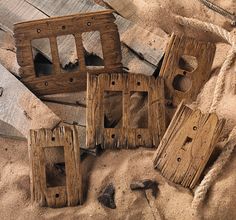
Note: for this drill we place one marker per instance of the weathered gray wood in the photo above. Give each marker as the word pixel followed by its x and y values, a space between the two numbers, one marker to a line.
pixel 20 108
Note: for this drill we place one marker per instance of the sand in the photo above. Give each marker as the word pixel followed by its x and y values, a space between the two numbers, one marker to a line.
pixel 123 166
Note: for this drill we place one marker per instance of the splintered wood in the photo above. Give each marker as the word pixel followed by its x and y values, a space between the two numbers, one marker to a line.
pixel 126 135
pixel 187 145
pixel 51 152
pixel 57 81
pixel 186 68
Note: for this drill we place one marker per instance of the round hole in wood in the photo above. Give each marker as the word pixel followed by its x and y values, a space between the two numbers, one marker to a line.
pixel 194 128
pixel 57 195
pixel 178 159
pixel 53 138
pixel 63 27
pixel 113 83
pixel 139 136
pixel 46 83
pixel 71 79
pixel 188 63
pixel 182 83
pixel 113 135
pixel 38 30
pixel 89 23
pixel 138 83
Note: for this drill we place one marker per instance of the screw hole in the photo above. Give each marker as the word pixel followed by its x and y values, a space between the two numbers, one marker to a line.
pixel 138 83
pixel 38 30
pixel 178 159
pixel 57 195
pixel 194 128
pixel 63 27
pixel 113 83
pixel 113 135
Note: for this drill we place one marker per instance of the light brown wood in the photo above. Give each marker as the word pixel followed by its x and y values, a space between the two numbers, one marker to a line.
pixel 125 136
pixel 69 194
pixel 22 109
pixel 58 82
pixel 186 68
pixel 187 145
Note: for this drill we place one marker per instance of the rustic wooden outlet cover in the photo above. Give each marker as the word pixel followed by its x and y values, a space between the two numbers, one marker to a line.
pixel 125 136
pixel 65 138
pixel 186 68
pixel 51 28
pixel 187 145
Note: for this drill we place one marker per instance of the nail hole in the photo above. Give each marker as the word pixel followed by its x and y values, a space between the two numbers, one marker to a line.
pixel 113 136
pixel 89 23
pixel 46 83
pixel 63 27
pixel 194 128
pixel 57 195
pixel 5 149
pixel 139 136
pixel 138 83
pixel 38 30
pixel 71 79
pixel 113 83
pixel 53 138
pixel 178 159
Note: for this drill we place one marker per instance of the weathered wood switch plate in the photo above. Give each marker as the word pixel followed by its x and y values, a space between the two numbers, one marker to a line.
pixel 187 145
pixel 127 135
pixel 56 179
pixel 74 26
pixel 186 68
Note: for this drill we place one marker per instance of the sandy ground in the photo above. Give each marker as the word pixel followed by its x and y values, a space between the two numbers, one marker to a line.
pixel 121 167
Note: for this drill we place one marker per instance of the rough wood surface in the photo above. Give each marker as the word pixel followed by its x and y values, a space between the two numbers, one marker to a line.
pixel 59 81
pixel 20 108
pixel 186 68
pixel 187 145
pixel 125 136
pixel 20 10
pixel 71 193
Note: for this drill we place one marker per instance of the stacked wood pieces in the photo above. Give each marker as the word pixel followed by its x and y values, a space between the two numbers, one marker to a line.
pixel 46 186
pixel 187 145
pixel 51 28
pixel 186 68
pixel 125 136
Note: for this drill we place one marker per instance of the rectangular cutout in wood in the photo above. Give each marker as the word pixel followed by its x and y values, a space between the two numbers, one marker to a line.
pixel 67 75
pixel 186 68
pixel 124 91
pixel 187 145
pixel 56 178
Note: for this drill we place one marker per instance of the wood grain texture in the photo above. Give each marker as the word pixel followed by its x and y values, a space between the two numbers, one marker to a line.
pixel 186 68
pixel 126 136
pixel 20 108
pixel 59 82
pixel 71 193
pixel 187 145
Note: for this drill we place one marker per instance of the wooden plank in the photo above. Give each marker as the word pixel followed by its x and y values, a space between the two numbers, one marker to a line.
pixel 20 108
pixel 128 134
pixel 59 81
pixel 187 145
pixel 186 68
pixel 20 10
pixel 42 191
